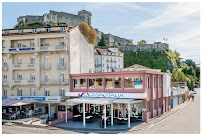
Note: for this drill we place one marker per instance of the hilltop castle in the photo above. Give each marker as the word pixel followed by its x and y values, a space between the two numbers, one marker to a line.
pixel 56 17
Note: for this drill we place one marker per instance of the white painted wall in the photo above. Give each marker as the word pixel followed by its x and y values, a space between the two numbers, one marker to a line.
pixel 81 53
pixel 166 85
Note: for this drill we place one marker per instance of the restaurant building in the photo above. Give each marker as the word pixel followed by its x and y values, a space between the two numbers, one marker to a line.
pixel 145 93
pixel 36 63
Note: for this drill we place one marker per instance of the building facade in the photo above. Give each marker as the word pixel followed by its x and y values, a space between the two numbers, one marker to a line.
pixel 150 91
pixel 107 60
pixel 37 63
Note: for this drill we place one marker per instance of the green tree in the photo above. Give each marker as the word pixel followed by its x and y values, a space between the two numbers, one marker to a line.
pixel 102 41
pixel 190 62
pixel 142 42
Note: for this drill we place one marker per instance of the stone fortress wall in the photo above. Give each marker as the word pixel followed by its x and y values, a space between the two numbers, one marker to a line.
pixel 56 17
pixel 157 46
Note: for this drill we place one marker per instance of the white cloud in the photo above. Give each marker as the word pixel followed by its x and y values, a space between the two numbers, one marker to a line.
pixel 172 14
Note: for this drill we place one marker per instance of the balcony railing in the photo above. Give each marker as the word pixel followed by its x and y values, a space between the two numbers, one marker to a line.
pixel 25 48
pixel 5 67
pixel 4 82
pixel 97 65
pixel 111 61
pixel 55 82
pixel 46 66
pixel 23 66
pixel 61 66
pixel 53 48
pixel 23 82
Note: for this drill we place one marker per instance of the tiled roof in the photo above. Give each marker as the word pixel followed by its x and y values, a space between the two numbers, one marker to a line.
pixel 99 51
pixel 139 67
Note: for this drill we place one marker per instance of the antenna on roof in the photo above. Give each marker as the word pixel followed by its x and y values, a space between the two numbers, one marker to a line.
pixel 84 6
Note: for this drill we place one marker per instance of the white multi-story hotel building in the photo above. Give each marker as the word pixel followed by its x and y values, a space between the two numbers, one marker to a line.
pixel 37 63
pixel 107 60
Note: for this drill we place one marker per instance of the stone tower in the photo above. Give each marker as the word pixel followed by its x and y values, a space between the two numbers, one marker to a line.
pixel 87 16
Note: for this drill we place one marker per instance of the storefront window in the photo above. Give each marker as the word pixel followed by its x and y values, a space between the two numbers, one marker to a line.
pixel 92 83
pixel 82 83
pixel 98 82
pixel 76 83
pixel 117 82
pixel 79 83
pixel 61 108
pixel 113 82
pixel 133 82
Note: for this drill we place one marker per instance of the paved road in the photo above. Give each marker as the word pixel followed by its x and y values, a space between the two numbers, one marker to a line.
pixel 185 121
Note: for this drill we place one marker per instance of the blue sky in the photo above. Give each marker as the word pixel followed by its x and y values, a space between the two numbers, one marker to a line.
pixel 178 22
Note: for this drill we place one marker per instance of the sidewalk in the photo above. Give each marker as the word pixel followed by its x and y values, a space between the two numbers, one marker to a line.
pixel 154 121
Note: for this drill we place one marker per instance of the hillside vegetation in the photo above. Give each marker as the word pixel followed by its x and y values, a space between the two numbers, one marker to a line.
pixel 168 61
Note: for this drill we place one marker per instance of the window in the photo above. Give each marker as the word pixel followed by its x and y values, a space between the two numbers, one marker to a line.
pixel 148 82
pixel 4 62
pixel 19 92
pixel 48 29
pixel 61 44
pixel 4 92
pixel 62 77
pixel 61 92
pixel 19 61
pixel 159 102
pixel 20 31
pixel 46 44
pixel 19 77
pixel 154 104
pixel 32 76
pixel 92 83
pixel 148 106
pixel 32 60
pixel 159 82
pixel 82 83
pixel 114 82
pixel 133 82
pixel 34 30
pixel 19 45
pixel 63 28
pixel 98 82
pixel 79 83
pixel 119 66
pixel 46 92
pixel 4 77
pixel 32 44
pixel 46 77
pixel 61 107
pixel 61 60
pixel 155 82
pixel 32 92
pixel 103 65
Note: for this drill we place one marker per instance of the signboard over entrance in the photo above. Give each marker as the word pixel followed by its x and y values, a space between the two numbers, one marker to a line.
pixel 111 95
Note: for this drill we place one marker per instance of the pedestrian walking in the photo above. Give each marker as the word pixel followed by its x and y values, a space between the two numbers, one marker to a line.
pixel 189 98
pixel 193 98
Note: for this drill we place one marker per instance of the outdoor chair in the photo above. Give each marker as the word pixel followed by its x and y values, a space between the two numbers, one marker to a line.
pixel 4 111
pixel 18 113
pixel 29 114
pixel 13 116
